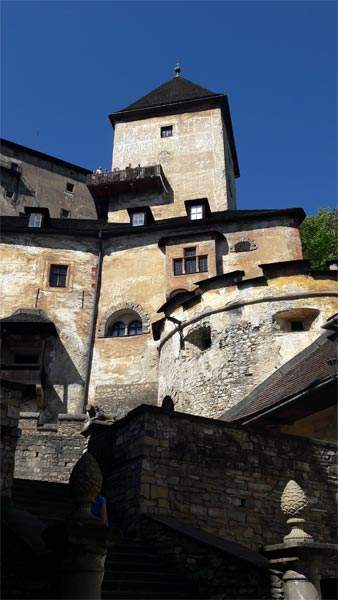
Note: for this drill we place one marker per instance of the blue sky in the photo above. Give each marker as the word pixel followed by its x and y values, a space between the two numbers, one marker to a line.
pixel 66 65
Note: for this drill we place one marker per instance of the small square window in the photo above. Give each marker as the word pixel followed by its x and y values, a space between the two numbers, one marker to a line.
pixel 297 325
pixel 69 187
pixel 35 220
pixel 138 219
pixel 64 214
pixel 166 131
pixel 58 276
pixel 196 212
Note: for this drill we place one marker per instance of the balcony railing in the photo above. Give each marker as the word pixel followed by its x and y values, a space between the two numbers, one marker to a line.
pixel 137 179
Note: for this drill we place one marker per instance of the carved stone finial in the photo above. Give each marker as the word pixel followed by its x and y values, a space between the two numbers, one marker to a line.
pixel 293 503
pixel 85 485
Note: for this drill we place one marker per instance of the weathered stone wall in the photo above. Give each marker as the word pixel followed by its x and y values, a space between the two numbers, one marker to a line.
pixel 42 182
pixel 222 479
pixel 137 274
pixel 133 278
pixel 50 453
pixel 246 345
pixel 10 408
pixel 193 159
pixel 25 263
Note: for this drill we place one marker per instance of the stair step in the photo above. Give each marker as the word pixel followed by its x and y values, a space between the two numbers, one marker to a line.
pixel 148 596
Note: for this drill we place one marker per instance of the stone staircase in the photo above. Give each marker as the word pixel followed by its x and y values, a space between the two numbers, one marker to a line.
pixel 134 570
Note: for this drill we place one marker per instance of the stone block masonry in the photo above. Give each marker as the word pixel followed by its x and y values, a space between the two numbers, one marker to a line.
pixel 222 479
pixel 49 453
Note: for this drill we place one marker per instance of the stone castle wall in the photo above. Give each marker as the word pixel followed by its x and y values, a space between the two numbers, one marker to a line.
pixel 25 264
pixel 48 453
pixel 222 479
pixel 246 343
pixel 42 182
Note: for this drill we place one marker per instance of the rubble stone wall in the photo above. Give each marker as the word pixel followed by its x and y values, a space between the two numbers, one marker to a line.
pixel 246 346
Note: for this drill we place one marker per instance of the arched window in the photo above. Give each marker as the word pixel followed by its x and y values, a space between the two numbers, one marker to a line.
pixel 118 329
pixel 135 328
pixel 243 246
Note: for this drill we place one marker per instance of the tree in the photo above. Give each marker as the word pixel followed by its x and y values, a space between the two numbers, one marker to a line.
pixel 319 234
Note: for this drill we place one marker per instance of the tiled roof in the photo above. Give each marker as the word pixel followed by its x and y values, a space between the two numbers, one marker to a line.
pixel 175 90
pixel 301 373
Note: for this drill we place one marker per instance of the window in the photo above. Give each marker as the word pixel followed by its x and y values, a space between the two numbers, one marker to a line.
pixel 35 220
pixel 64 214
pixel 196 212
pixel 242 247
pixel 190 260
pixel 203 264
pixel 297 325
pixel 58 276
pixel 166 131
pixel 178 266
pixel 296 319
pixel 125 324
pixel 69 187
pixel 191 263
pixel 135 328
pixel 138 219
pixel 118 329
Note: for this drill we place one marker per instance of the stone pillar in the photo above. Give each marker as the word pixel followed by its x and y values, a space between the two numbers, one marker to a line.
pixel 299 558
pixel 298 587
pixel 87 538
pixel 83 565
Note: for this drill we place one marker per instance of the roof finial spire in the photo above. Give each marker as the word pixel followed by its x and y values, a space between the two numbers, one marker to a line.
pixel 177 69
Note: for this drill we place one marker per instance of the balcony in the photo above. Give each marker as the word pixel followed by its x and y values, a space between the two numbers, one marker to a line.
pixel 104 184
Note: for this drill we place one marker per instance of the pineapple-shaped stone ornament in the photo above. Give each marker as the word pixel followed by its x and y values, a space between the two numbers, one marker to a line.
pixel 293 503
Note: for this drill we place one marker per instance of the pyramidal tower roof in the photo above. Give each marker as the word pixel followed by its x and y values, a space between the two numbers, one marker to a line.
pixel 178 95
pixel 177 89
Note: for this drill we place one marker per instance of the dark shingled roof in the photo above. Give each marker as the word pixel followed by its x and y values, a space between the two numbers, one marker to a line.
pixel 177 89
pixel 299 374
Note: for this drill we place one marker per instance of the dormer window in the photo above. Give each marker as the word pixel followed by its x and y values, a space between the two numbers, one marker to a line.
pixel 196 212
pixel 166 131
pixel 138 219
pixel 35 220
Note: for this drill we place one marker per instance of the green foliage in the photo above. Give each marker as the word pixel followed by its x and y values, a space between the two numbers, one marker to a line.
pixel 319 235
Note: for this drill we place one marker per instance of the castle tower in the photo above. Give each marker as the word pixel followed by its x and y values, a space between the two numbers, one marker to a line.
pixel 184 131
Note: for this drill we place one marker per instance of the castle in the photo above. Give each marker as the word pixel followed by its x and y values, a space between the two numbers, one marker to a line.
pixel 124 287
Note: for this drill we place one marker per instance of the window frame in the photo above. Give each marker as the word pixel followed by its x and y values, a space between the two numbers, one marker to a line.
pixel 70 192
pixel 166 129
pixel 58 287
pixel 195 207
pixel 189 254
pixel 31 219
pixel 137 213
